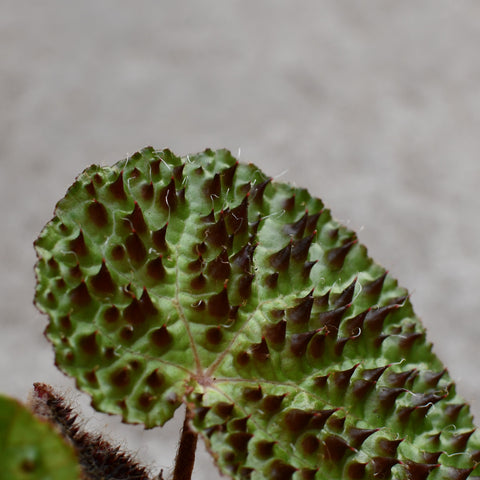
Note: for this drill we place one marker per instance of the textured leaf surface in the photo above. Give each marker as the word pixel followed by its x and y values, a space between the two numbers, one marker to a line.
pixel 31 449
pixel 199 280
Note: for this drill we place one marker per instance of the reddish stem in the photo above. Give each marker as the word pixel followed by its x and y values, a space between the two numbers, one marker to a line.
pixel 185 458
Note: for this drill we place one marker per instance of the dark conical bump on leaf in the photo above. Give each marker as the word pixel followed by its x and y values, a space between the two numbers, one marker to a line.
pixel 216 234
pixel 126 333
pixel 281 259
pixel 317 346
pixel 237 218
pixel 218 304
pixel 459 440
pixel 137 221
pixel 431 457
pixel 213 188
pixel 432 378
pixel 388 447
pixel 80 295
pixel 452 411
pixel 227 175
pixel 336 256
pixel 387 397
pixel 161 337
pixel 178 172
pixel 264 449
pixel 296 420
pixel 224 409
pixel 244 257
pixel 260 351
pixel 146 303
pixel 90 189
pixel 312 222
pixel 299 342
pixel 404 413
pixel 419 471
pixel 245 286
pixel 253 394
pixel 356 470
pixel 272 280
pixel 98 214
pixel 382 466
pixel 399 379
pixel 219 268
pixel 121 377
pixel 336 423
pixel 199 248
pixel 459 473
pixel 155 380
pixel 331 319
pixel 239 441
pixel 272 403
pixel 297 228
pixel 345 297
pixel 373 288
pixel 359 435
pixel 407 340
pixel 300 249
pixel 310 444
pixel 147 191
pixel 102 282
pixel 199 280
pixel 155 269
pixel 258 190
pixel 373 374
pixel 280 470
pixel 275 333
pixel 167 198
pixel 320 381
pixel 214 335
pixel 209 218
pixel 158 238
pixel 196 265
pixel 135 248
pixel 65 322
pixel 307 267
pixel 88 343
pixel 118 253
pixel 341 378
pixel 320 417
pixel 335 447
pixel 117 189
pixel 353 326
pixel 300 314
pixel 289 203
pixel 376 316
pixel 78 245
pixel 134 314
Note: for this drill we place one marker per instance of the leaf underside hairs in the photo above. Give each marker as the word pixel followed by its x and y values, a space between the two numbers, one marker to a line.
pixel 98 459
pixel 199 280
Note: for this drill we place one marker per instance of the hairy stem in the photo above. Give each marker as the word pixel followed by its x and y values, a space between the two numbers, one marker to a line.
pixel 185 458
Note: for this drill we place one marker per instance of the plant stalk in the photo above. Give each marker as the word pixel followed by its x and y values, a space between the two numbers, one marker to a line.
pixel 185 459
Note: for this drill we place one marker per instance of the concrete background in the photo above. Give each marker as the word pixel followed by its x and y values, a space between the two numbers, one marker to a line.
pixel 374 106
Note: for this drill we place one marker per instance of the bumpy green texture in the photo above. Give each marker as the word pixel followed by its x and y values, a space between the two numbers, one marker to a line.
pixel 31 449
pixel 200 280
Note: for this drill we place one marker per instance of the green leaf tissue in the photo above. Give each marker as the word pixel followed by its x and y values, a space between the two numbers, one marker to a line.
pixel 199 280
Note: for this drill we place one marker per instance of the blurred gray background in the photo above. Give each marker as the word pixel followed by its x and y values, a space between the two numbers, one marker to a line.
pixel 374 106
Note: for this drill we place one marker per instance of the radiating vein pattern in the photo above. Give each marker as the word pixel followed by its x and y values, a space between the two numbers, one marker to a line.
pixel 199 280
